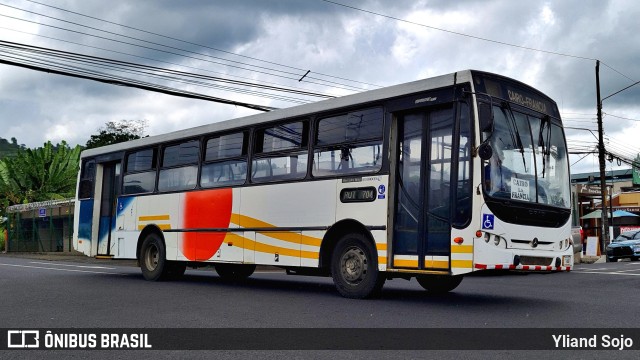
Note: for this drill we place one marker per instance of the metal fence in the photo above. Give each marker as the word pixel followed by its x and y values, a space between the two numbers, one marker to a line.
pixel 41 227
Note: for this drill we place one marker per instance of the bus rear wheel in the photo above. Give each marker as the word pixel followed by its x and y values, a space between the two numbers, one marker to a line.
pixel 153 261
pixel 439 284
pixel 234 272
pixel 354 268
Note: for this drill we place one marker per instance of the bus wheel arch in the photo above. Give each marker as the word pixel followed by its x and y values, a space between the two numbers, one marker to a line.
pixel 152 256
pixel 334 234
pixel 353 261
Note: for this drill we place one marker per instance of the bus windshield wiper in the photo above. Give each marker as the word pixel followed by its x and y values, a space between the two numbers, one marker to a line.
pixel 544 122
pixel 518 139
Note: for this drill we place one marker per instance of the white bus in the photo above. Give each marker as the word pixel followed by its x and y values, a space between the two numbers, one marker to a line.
pixel 432 179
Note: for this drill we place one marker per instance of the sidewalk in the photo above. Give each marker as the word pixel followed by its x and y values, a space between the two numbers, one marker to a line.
pixel 73 256
pixel 590 259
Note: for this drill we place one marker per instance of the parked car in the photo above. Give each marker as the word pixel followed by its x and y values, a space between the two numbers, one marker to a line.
pixel 625 246
pixel 577 236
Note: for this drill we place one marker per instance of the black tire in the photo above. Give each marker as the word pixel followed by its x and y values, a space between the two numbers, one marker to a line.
pixel 354 267
pixel 152 260
pixel 439 284
pixel 610 259
pixel 234 272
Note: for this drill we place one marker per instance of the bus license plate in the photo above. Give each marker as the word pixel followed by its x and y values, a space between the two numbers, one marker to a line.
pixel 566 260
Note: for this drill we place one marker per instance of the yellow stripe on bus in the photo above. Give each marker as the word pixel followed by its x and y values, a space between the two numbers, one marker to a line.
pixel 461 249
pixel 161 226
pixel 467 264
pixel 249 222
pixel 153 218
pixel 436 264
pixel 405 263
pixel 381 247
pixel 270 249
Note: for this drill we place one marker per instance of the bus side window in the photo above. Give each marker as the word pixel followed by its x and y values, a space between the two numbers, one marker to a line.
pixel 349 143
pixel 140 172
pixel 281 152
pixel 87 178
pixel 179 168
pixel 225 160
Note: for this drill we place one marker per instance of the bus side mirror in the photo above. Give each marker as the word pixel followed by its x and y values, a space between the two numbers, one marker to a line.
pixel 485 116
pixel 485 151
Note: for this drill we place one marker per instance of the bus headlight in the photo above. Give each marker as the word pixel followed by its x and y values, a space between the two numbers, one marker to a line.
pixel 496 240
pixel 487 236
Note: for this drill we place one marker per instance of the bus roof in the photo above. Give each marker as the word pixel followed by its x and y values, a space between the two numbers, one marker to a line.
pixel 292 112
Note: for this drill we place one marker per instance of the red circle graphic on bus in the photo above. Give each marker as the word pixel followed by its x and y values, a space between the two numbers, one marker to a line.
pixel 210 209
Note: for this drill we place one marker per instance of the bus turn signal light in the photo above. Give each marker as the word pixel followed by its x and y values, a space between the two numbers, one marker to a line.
pixel 458 240
pixel 478 233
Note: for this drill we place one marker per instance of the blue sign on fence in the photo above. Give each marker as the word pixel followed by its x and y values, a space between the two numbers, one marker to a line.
pixel 42 212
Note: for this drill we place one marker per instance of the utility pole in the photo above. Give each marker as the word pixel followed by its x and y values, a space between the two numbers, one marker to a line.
pixel 603 190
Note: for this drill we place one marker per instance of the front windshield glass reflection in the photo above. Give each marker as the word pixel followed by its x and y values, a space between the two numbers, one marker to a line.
pixel 529 161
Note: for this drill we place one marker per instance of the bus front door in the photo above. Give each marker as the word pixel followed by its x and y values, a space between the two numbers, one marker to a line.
pixel 422 225
pixel 108 198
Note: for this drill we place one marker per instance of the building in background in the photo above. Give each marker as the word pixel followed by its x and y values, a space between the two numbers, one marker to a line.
pixel 622 194
pixel 45 226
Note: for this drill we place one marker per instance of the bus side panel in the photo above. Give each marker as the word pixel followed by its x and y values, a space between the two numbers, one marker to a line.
pixel 84 224
pixel 211 209
pixel 368 213
pixel 291 207
pixel 161 211
pixel 126 232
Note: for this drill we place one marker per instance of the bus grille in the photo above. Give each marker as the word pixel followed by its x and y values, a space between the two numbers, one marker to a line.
pixel 535 260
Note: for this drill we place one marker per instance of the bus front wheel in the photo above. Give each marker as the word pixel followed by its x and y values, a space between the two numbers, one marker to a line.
pixel 439 284
pixel 354 268
pixel 153 261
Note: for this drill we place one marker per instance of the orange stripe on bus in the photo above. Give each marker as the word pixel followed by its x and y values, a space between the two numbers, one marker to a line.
pixel 161 226
pixel 249 222
pixel 153 218
pixel 405 263
pixel 381 247
pixel 270 249
pixel 467 264
pixel 461 249
pixel 436 264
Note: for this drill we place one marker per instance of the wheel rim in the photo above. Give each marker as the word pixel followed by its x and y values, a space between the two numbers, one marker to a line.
pixel 151 257
pixel 353 265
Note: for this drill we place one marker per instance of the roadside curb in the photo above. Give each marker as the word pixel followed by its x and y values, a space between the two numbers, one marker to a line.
pixel 81 258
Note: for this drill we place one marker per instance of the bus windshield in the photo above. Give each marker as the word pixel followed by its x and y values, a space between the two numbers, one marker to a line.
pixel 529 161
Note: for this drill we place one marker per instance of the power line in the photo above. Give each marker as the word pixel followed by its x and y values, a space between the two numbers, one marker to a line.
pixel 296 77
pixel 159 61
pixel 186 42
pixel 620 117
pixel 149 70
pixel 459 33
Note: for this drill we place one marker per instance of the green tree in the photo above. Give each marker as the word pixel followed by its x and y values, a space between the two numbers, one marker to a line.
pixel 117 132
pixel 44 173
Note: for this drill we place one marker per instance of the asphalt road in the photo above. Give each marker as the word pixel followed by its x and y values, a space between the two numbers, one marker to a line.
pixel 81 293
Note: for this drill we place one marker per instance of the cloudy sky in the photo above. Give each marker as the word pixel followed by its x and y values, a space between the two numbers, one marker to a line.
pixel 346 50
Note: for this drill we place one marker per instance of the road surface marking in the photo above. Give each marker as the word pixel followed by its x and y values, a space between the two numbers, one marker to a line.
pixel 79 266
pixel 58 269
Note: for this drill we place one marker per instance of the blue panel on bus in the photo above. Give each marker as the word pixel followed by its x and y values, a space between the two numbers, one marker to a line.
pixel 487 221
pixel 85 218
pixel 123 203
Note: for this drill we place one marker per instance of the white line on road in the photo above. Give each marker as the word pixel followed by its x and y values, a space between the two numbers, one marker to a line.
pixel 58 269
pixel 608 273
pixel 79 266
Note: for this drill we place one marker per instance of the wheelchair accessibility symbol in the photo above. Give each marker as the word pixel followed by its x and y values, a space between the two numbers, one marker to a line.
pixel 487 221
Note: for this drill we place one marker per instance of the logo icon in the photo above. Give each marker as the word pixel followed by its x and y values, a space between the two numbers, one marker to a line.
pixel 23 339
pixel 381 189
pixel 487 221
